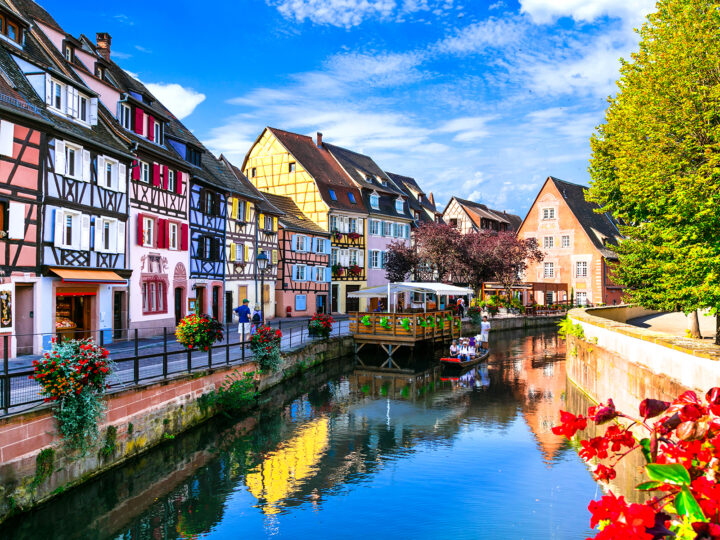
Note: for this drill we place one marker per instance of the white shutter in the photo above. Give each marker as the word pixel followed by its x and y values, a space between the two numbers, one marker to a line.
pixel 85 232
pixel 7 135
pixel 59 156
pixel 86 165
pixel 100 171
pixel 360 225
pixel 120 247
pixel 93 111
pixel 98 235
pixel 58 233
pixel 122 178
pixel 16 225
pixel 48 90
pixel 360 258
pixel 69 101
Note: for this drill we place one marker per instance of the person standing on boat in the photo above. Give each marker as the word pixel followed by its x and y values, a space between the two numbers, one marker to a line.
pixel 484 332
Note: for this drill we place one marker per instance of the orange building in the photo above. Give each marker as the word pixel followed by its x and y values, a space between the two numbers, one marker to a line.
pixel 578 246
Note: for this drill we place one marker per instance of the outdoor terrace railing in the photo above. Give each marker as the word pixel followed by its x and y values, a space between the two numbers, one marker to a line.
pixel 141 361
pixel 404 327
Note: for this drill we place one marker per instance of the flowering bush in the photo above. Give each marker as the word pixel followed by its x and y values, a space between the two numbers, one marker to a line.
pixel 682 452
pixel 320 325
pixel 265 345
pixel 74 375
pixel 475 314
pixel 355 270
pixel 354 236
pixel 337 270
pixel 198 332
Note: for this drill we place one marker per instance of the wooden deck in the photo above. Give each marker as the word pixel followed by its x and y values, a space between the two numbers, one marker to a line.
pixel 404 328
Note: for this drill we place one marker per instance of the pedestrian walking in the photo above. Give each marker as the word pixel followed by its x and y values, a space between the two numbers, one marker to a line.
pixel 256 319
pixel 243 313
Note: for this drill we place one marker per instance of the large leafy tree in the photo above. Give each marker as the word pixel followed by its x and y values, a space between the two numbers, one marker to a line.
pixel 439 247
pixel 656 160
pixel 400 261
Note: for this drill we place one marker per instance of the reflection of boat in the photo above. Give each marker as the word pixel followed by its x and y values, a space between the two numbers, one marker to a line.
pixel 457 363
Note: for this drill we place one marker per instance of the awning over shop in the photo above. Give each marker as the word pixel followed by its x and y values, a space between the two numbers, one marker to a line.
pixel 78 275
pixel 439 289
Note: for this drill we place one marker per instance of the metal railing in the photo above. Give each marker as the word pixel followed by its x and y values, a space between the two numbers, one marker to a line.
pixel 141 361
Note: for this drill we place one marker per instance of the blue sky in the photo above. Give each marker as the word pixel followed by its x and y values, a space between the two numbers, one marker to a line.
pixel 479 99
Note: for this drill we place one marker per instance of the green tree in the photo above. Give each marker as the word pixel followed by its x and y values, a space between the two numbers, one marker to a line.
pixel 656 160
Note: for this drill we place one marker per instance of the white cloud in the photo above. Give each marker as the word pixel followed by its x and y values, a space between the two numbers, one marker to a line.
pixel 491 33
pixel 349 13
pixel 546 11
pixel 181 101
pixel 469 128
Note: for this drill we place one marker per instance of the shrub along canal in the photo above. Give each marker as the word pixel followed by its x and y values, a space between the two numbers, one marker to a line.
pixel 350 452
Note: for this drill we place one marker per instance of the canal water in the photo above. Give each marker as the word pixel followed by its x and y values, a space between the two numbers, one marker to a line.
pixel 354 452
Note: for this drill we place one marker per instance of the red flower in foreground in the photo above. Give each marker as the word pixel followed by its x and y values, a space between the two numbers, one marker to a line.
pixel 570 424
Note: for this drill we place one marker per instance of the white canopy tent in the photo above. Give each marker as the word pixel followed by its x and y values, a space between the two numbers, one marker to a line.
pixel 424 288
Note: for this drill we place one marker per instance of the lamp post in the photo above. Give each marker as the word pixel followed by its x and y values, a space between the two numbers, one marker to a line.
pixel 262 264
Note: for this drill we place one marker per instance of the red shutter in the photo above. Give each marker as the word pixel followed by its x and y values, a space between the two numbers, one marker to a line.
pixel 139 120
pixel 165 176
pixel 151 128
pixel 140 234
pixel 136 170
pixel 167 234
pixel 179 184
pixel 156 175
pixel 161 238
pixel 184 236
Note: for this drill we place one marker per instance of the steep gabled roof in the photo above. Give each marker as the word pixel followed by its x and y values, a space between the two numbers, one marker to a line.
pixel 477 212
pixel 328 175
pixel 363 170
pixel 293 218
pixel 600 227
pixel 410 186
pixel 244 187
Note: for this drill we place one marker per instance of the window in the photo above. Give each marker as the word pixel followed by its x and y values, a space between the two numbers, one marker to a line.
pixel 158 133
pixel 145 297
pixel 581 298
pixel 353 225
pixel 320 245
pixel 333 223
pixel 353 257
pixel 171 181
pixel 374 259
pixel 548 242
pixel 69 229
pixel 581 269
pixel 300 272
pixel 549 298
pixel 334 256
pixel 375 227
pixel 300 242
pixel 153 303
pixel 148 231
pixel 375 201
pixel 72 230
pixel 106 235
pixel 82 112
pixel 57 93
pixel 300 302
pixel 253 172
pixel 548 213
pixel 144 172
pixel 565 241
pixel 387 228
pixel 291 166
pixel 172 236
pixel 453 223
pixel 332 195
pixel 124 116
pixel 352 198
pixel 549 270
pixel 73 161
pixel 110 174
pixel 68 53
pixel 383 259
pixel 399 206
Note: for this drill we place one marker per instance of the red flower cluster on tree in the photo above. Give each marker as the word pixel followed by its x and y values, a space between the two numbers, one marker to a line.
pixel 682 451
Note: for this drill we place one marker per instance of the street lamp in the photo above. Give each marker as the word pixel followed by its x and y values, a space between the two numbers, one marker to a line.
pixel 262 264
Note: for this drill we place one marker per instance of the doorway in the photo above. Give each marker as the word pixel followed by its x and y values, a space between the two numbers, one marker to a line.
pixel 178 305
pixel 321 303
pixel 351 304
pixel 24 300
pixel 334 298
pixel 118 314
pixel 228 306
pixel 200 304
pixel 216 303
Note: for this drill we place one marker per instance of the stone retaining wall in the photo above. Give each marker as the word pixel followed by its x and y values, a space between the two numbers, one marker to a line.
pixel 143 417
pixel 512 323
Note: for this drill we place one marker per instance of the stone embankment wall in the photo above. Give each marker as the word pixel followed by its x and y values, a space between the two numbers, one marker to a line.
pixel 626 363
pixel 141 418
pixel 499 324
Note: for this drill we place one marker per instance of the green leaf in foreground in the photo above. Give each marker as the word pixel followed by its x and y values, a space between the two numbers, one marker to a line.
pixel 686 505
pixel 649 486
pixel 673 473
pixel 645 448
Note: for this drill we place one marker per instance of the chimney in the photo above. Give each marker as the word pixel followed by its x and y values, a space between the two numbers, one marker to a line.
pixel 319 139
pixel 103 44
pixel 431 198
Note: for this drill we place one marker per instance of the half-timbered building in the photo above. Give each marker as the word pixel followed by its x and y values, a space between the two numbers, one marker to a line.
pixel 295 166
pixel 303 272
pixel 82 252
pixel 252 223
pixel 422 205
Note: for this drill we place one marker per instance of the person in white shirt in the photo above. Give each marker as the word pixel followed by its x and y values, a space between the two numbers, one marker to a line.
pixel 484 332
pixel 454 351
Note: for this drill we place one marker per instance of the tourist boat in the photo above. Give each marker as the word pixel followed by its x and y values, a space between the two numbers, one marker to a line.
pixel 456 362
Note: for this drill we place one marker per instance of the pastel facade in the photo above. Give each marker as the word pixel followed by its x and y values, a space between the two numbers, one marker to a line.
pixel 577 243
pixel 422 205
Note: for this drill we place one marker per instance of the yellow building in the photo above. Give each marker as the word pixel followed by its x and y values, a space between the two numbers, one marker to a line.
pixel 295 166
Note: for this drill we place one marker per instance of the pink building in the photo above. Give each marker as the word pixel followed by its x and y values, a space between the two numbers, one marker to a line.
pixel 303 274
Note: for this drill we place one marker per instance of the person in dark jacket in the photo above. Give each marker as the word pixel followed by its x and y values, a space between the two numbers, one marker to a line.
pixel 243 313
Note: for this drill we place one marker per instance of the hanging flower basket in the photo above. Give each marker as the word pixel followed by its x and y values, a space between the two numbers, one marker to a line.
pixel 355 270
pixel 265 345
pixel 338 236
pixel 198 332
pixel 338 270
pixel 354 236
pixel 320 325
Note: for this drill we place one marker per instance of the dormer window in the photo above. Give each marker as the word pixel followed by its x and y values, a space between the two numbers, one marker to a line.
pixel 291 166
pixel 419 199
pixel 158 133
pixel 193 156
pixel 99 71
pixel 10 29
pixel 57 95
pixel 69 53
pixel 351 197
pixel 124 116
pixel 399 206
pixel 332 195
pixel 68 100
pixel 375 200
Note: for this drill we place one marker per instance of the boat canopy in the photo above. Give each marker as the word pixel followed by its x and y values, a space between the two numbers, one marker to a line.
pixel 440 289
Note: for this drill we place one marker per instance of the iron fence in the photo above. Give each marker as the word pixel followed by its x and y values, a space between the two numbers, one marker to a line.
pixel 141 361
